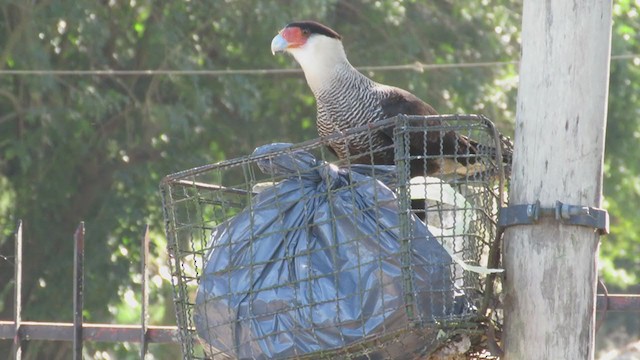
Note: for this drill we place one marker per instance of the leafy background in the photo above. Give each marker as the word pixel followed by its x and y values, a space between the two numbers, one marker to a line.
pixel 94 147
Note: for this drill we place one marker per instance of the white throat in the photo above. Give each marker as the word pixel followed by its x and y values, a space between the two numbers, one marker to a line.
pixel 320 58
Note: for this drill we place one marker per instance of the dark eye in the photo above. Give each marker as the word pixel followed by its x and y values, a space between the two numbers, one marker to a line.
pixel 306 32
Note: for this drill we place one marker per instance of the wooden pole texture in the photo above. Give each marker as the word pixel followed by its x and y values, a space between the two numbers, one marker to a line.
pixel 550 284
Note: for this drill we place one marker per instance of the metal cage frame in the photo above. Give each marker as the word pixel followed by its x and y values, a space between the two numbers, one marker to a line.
pixel 183 279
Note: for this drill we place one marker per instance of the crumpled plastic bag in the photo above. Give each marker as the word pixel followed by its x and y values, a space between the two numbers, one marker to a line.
pixel 314 263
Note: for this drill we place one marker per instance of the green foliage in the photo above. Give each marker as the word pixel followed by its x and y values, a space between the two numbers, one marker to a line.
pixel 619 251
pixel 95 147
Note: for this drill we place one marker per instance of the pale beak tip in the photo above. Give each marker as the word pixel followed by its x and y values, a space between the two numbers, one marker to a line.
pixel 278 44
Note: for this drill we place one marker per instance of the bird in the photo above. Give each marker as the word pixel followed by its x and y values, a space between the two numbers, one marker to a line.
pixel 347 99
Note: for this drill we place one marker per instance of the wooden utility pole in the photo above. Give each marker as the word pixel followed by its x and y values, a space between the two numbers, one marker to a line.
pixel 550 267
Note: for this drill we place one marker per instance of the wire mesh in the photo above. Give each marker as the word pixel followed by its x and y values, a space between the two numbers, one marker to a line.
pixel 349 279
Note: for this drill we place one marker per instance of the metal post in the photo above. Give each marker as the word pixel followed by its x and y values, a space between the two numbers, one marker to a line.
pixel 78 290
pixel 17 289
pixel 145 294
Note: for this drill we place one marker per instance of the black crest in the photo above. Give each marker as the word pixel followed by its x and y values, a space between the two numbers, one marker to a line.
pixel 315 28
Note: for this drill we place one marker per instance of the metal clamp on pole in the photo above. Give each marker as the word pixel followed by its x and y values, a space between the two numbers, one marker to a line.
pixel 528 214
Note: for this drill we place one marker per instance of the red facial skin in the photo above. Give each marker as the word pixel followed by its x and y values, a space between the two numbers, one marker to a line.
pixel 295 36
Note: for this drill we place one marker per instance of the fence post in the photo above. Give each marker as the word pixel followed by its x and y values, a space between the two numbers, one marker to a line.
pixel 145 293
pixel 551 267
pixel 78 290
pixel 17 289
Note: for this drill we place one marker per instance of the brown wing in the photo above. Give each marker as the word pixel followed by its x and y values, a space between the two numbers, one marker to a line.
pixel 398 101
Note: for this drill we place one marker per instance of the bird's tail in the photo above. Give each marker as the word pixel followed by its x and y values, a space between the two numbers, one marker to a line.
pixel 462 156
pixel 503 152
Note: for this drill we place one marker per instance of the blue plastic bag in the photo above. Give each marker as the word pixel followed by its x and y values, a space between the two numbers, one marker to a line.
pixel 314 263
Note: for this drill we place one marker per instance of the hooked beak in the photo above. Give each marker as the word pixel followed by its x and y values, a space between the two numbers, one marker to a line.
pixel 279 44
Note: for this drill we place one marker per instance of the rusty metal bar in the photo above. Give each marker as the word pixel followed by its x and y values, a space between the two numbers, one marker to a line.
pixel 144 323
pixel 33 330
pixel 78 290
pixel 17 291
pixel 618 303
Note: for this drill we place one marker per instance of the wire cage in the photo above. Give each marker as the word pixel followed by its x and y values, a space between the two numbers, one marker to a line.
pixel 293 253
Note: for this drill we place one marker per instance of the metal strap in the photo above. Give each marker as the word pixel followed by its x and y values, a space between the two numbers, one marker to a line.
pixel 528 214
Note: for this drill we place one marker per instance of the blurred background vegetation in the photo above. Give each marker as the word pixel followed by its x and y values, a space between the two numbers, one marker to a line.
pixel 94 147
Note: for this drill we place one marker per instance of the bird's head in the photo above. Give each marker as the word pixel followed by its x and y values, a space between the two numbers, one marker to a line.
pixel 316 47
pixel 303 35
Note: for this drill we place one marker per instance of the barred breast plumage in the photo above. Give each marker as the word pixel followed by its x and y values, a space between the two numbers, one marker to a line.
pixel 348 103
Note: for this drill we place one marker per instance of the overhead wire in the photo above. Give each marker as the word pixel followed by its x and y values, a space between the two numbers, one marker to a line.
pixel 415 66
